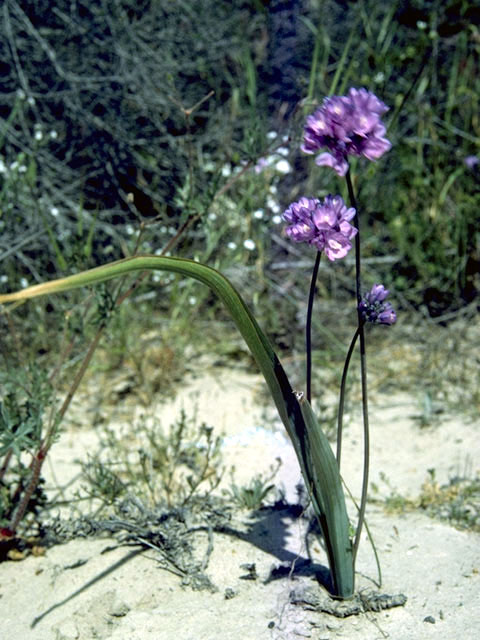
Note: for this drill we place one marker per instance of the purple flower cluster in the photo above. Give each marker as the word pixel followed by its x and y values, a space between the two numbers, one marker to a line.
pixel 326 225
pixel 373 307
pixel 347 125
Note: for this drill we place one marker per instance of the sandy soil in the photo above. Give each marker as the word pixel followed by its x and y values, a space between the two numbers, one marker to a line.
pixel 95 588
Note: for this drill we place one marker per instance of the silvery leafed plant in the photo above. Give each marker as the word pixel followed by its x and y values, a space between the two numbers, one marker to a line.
pixel 343 126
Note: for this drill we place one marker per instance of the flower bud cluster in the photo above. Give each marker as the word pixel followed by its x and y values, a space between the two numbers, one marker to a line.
pixel 373 307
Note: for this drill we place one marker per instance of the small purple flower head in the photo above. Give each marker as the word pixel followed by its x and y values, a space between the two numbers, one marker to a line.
pixel 347 125
pixel 471 162
pixel 326 225
pixel 377 293
pixel 373 307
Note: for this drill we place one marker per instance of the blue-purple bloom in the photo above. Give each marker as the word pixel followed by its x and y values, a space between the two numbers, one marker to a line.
pixel 347 125
pixel 373 307
pixel 471 161
pixel 326 225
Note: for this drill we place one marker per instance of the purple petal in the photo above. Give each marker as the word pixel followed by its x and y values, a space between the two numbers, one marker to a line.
pixel 337 246
pixel 328 160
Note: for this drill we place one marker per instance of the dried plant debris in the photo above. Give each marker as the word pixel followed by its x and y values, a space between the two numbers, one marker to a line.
pixel 362 602
pixel 173 533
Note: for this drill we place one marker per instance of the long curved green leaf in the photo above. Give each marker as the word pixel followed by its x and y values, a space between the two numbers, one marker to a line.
pixel 314 453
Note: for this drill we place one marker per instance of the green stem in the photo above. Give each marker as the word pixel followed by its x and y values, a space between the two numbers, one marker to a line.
pixel 341 404
pixel 370 537
pixel 308 325
pixel 363 372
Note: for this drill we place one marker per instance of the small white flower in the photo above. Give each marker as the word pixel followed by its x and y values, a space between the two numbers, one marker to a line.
pixel 192 300
pixel 283 151
pixel 54 211
pixel 212 216
pixel 53 134
pixel 258 214
pixel 249 244
pixel 3 279
pixel 38 135
pixel 156 277
pixel 273 189
pixel 226 170
pixel 271 135
pixel 14 166
pixel 31 100
pixel 22 169
pixel 232 245
pixel 283 166
pixel 129 229
pixel 23 283
pixel 21 94
pixel 277 219
pixel 273 205
pixel 3 166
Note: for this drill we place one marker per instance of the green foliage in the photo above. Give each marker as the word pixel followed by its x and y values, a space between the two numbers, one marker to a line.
pixel 133 140
pixel 26 406
pixel 27 396
pixel 253 494
pixel 457 501
pixel 162 467
pixel 168 151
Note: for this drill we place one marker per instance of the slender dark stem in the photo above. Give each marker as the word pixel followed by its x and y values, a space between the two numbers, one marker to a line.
pixel 308 326
pixel 353 202
pixel 36 467
pixel 5 463
pixel 341 404
pixel 363 372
